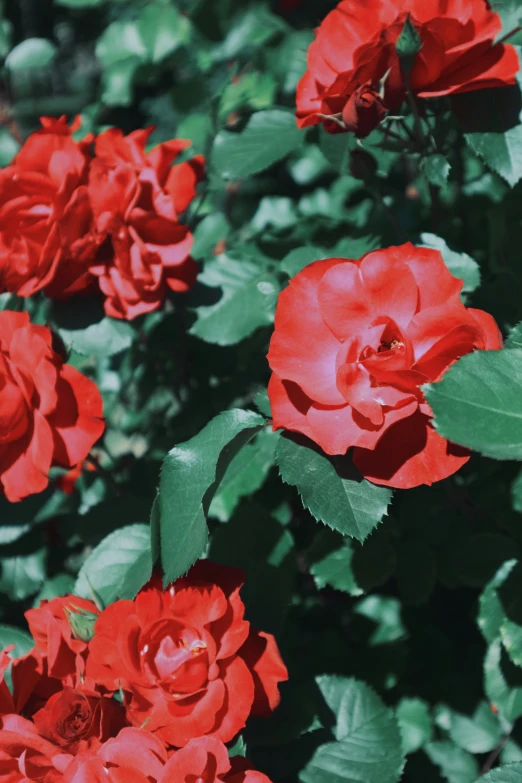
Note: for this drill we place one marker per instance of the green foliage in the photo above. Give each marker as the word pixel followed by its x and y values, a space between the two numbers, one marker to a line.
pixel 331 489
pixel 459 264
pixel 31 53
pixel 248 298
pixel 478 403
pixel 418 595
pixel 190 476
pixel 117 567
pixel 20 640
pixel 510 773
pixel 268 137
pixel 368 740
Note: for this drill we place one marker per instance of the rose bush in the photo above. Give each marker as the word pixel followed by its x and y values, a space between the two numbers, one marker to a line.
pixel 51 413
pixel 354 56
pixel 192 665
pixel 153 252
pixel 350 374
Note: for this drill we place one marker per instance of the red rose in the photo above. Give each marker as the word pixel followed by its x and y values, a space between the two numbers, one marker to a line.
pixel 355 46
pixel 51 414
pixel 134 756
pixel 354 341
pixel 364 110
pixel 6 700
pixel 206 760
pixel 25 757
pixel 76 718
pixel 136 199
pixel 183 658
pixel 64 653
pixel 44 212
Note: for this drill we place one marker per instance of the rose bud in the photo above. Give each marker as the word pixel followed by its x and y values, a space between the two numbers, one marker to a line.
pixel 364 111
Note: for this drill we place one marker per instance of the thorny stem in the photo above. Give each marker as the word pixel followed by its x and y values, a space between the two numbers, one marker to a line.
pixel 493 756
pixel 423 142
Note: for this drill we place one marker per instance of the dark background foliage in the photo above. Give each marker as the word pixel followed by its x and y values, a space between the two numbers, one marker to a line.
pixel 404 610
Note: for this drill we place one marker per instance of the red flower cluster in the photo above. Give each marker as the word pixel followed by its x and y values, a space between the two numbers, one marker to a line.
pixel 50 415
pixel 70 222
pixel 354 74
pixel 350 372
pixel 187 669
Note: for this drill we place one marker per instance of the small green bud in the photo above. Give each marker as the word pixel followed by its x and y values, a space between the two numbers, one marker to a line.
pixel 81 622
pixel 408 45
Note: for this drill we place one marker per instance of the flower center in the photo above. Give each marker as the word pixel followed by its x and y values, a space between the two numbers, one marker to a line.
pixel 181 664
pixel 77 721
pixel 390 346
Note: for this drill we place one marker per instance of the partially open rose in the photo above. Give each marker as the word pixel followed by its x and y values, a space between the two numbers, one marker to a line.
pixel 354 341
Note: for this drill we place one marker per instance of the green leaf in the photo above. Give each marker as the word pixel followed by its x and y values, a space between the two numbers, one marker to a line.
pixel 479 734
pixel 163 29
pixel 436 169
pixel 118 567
pixel 297 259
pixel 249 30
pixel 386 614
pixel 268 137
pixel 491 611
pixel 106 338
pixel 507 698
pixel 501 151
pixel 245 474
pixel 335 148
pixel 415 724
pixel 459 264
pixel 330 562
pixel 508 773
pixel 478 403
pixel 253 90
pixel 514 339
pixel 22 575
pixel 516 493
pixel 456 765
pixel 22 640
pixel 331 489
pixel 247 302
pixel 80 3
pixel 368 746
pixel 120 50
pixel 275 213
pixel 289 64
pixel 8 147
pixel 511 635
pixel 190 476
pixel 31 53
pixel 212 229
